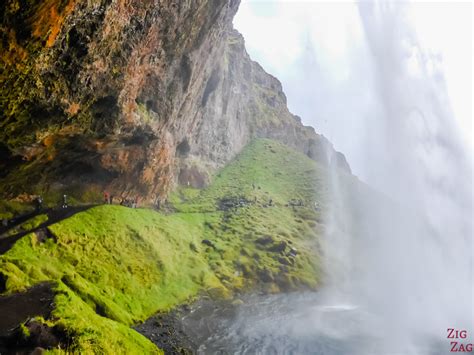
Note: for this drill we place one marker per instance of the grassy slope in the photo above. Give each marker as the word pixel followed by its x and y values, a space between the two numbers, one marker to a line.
pixel 116 266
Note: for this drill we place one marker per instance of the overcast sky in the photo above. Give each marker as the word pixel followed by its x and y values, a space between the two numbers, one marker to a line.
pixel 325 52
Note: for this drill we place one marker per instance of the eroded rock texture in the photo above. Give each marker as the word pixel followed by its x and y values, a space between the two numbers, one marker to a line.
pixel 132 96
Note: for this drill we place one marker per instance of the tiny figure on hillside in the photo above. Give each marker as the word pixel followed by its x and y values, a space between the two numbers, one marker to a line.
pixel 39 203
pixel 106 198
pixel 270 203
pixel 64 201
pixel 253 186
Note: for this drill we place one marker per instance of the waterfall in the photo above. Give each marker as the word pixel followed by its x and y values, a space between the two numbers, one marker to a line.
pixel 398 240
pixel 402 248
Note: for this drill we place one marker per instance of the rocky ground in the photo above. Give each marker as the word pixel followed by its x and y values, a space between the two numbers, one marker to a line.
pixel 21 331
pixel 166 331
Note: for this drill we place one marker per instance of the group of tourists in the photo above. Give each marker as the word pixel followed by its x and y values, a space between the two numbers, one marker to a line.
pixel 127 202
pixel 38 201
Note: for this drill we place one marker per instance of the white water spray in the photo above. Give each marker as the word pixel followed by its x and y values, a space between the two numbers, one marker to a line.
pixel 398 248
pixel 407 258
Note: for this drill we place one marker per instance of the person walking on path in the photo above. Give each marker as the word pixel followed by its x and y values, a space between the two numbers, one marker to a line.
pixel 106 198
pixel 39 203
pixel 64 201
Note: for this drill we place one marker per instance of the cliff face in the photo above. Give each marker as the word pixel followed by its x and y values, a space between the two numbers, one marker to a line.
pixel 132 96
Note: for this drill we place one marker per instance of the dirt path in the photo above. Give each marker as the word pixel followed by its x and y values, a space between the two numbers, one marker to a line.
pixel 36 301
pixel 54 216
pixel 17 308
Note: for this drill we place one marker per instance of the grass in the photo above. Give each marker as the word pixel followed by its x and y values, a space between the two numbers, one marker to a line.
pixel 8 209
pixel 114 266
pixel 29 225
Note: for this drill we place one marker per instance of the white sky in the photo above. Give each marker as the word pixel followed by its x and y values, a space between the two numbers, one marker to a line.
pixel 317 50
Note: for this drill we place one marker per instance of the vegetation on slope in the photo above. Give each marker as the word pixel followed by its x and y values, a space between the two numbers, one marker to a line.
pixel 256 226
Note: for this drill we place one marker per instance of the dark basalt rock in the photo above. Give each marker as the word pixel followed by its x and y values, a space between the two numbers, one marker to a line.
pixel 278 247
pixel 265 275
pixel 33 337
pixel 19 307
pixel 3 283
pixel 43 234
pixel 208 243
pixel 230 203
pixel 265 240
pixel 166 331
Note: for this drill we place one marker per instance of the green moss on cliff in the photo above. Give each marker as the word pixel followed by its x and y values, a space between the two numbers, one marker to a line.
pixel 116 266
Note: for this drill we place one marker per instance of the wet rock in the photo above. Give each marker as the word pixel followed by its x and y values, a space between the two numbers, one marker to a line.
pixel 271 288
pixel 265 240
pixel 208 243
pixel 166 332
pixel 244 251
pixel 265 275
pixel 230 203
pixel 3 282
pixel 278 247
pixel 285 261
pixel 193 247
pixel 217 293
pixel 246 270
pixel 18 307
pixel 193 176
pixel 237 302
pixel 45 233
pixel 295 203
pixel 284 282
pixel 33 335
pixel 293 252
pixel 41 335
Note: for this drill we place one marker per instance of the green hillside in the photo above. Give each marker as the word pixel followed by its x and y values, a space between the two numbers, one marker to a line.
pixel 255 227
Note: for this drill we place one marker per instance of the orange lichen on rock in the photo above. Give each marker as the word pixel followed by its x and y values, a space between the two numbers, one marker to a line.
pixel 122 159
pixel 15 52
pixel 158 172
pixel 139 67
pixel 49 19
pixel 73 109
pixel 48 141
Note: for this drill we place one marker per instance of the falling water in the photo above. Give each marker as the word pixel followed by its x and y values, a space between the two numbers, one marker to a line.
pixel 407 256
pixel 399 246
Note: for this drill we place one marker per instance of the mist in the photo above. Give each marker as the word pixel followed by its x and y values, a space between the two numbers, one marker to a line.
pixel 398 246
